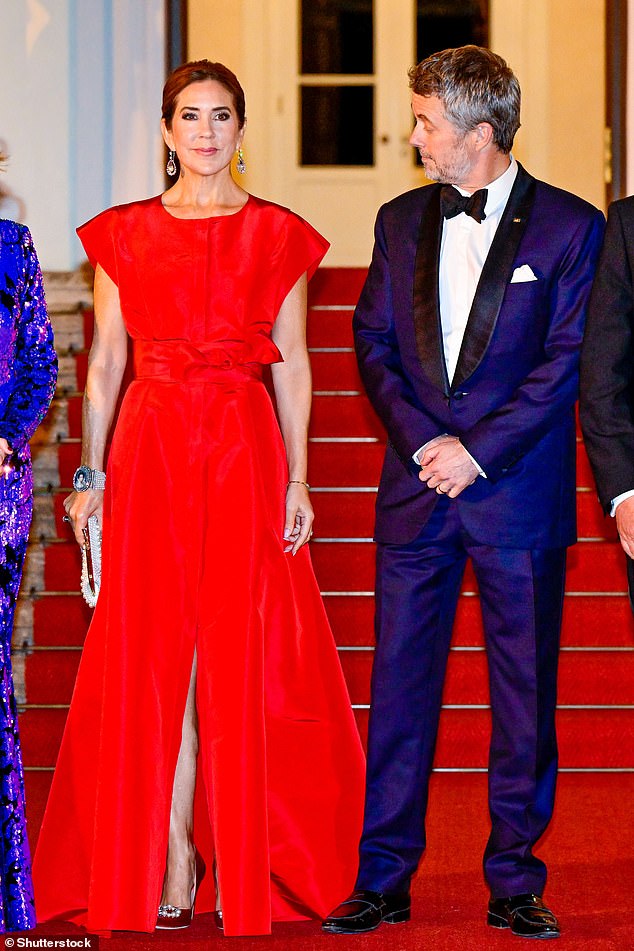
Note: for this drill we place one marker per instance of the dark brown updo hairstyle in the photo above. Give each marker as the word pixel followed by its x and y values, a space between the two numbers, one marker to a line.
pixel 198 72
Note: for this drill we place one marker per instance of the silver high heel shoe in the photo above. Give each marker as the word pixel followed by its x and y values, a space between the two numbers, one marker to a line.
pixel 171 918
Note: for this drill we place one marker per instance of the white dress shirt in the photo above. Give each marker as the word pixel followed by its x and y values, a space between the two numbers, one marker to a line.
pixel 464 248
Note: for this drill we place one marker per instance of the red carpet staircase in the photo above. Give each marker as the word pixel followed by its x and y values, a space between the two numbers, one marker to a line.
pixel 596 714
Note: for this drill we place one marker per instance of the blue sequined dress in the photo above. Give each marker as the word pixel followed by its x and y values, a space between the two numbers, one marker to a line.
pixel 28 372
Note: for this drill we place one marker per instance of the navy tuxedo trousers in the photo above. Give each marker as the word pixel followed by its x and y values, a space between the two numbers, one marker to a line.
pixel 521 594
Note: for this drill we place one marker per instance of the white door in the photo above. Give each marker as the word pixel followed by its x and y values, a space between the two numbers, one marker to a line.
pixel 339 144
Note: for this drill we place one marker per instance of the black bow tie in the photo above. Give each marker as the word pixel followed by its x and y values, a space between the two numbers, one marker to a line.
pixel 452 203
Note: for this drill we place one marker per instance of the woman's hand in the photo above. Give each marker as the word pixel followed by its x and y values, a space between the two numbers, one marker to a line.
pixel 80 506
pixel 5 450
pixel 298 527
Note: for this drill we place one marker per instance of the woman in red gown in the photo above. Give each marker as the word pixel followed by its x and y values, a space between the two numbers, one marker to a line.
pixel 209 662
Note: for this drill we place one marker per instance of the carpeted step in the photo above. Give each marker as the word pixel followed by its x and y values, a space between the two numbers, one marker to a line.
pixel 60 620
pixel 350 514
pixel 329 328
pixel 69 452
pixel 347 513
pixel 349 566
pixel 598 677
pixel 81 369
pixel 344 514
pixel 62 566
pixel 585 479
pixel 591 522
pixel 335 371
pixel 347 463
pixel 344 416
pixel 336 285
pixel 50 675
pixel 62 528
pixel 596 566
pixel 585 677
pixel 588 738
pixel 73 408
pixel 592 621
pixel 37 784
pixel 89 326
pixel 345 566
pixel 588 621
pixel 41 734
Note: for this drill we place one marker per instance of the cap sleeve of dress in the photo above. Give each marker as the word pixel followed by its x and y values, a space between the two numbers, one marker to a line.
pixel 304 248
pixel 98 239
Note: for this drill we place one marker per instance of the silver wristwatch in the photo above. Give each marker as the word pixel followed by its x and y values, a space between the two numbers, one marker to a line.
pixel 86 478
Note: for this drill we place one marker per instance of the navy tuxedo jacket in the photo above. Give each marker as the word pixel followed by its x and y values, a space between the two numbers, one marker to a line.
pixel 512 398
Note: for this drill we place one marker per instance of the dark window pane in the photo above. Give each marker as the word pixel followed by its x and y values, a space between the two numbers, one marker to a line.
pixel 337 36
pixel 441 24
pixel 337 125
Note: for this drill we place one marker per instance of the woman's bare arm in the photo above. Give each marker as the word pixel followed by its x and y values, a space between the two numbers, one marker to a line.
pixel 293 391
pixel 106 363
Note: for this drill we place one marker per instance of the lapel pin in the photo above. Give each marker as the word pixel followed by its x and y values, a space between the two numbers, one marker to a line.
pixel 517 221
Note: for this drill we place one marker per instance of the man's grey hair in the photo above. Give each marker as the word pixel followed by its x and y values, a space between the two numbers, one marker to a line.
pixel 474 85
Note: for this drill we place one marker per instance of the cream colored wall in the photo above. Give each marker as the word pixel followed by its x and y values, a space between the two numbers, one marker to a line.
pixel 215 30
pixel 557 49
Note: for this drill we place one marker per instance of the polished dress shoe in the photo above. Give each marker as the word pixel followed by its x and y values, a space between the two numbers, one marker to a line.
pixel 172 918
pixel 526 916
pixel 366 910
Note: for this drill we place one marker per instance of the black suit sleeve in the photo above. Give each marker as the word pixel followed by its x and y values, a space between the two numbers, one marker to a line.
pixel 607 360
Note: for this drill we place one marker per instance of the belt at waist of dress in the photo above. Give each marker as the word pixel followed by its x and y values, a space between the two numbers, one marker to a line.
pixel 179 361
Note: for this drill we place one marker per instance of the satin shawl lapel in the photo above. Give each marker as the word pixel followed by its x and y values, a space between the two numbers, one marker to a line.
pixel 496 274
pixel 427 328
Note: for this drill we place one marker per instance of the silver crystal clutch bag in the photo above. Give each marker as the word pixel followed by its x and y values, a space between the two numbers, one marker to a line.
pixel 91 561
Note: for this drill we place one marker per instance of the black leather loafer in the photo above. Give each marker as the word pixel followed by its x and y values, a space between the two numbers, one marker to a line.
pixel 366 910
pixel 526 916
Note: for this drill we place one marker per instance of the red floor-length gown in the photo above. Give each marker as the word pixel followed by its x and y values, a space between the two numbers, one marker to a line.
pixel 194 559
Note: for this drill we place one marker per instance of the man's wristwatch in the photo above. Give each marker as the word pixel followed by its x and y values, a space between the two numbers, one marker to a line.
pixel 86 478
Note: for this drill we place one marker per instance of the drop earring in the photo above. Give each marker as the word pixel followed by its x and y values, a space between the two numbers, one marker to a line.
pixel 170 168
pixel 240 164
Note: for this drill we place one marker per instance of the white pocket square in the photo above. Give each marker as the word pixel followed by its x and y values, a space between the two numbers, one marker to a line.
pixel 523 274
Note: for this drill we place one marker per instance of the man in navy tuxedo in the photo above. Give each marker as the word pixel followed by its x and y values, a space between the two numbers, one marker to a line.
pixel 468 333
